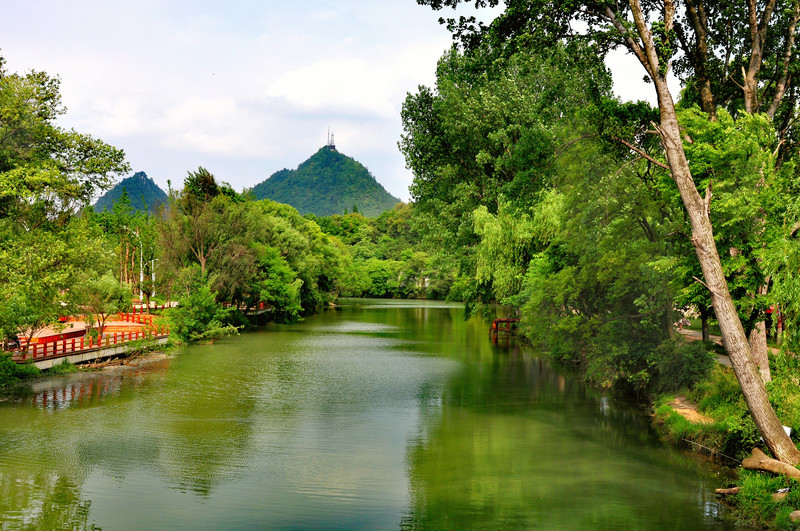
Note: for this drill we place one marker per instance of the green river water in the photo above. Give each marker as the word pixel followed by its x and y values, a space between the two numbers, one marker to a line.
pixel 377 415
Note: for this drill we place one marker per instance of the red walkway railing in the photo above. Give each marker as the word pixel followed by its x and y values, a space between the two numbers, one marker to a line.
pixel 140 318
pixel 67 347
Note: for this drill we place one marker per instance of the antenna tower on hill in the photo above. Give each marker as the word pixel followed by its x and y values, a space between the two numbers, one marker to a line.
pixel 330 144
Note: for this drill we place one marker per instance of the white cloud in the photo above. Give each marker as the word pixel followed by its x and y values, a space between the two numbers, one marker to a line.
pixel 244 87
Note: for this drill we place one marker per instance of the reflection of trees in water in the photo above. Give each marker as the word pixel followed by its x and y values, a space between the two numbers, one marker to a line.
pixel 44 501
pixel 514 443
pixel 204 418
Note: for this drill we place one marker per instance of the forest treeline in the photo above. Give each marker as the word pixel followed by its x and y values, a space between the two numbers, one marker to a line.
pixel 602 220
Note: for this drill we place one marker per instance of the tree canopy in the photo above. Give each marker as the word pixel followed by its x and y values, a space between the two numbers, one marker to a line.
pixel 713 48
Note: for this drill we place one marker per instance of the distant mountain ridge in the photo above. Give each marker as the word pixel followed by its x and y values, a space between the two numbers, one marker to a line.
pixel 328 183
pixel 142 191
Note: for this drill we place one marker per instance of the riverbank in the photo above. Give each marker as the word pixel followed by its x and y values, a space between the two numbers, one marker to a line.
pixel 713 419
pixel 21 378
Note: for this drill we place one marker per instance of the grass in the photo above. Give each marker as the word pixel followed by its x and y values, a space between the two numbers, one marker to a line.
pixel 64 367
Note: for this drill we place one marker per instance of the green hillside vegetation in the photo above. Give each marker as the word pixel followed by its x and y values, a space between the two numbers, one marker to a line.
pixel 327 183
pixel 144 194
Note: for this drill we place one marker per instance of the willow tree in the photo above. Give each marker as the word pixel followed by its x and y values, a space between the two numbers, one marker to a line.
pixel 657 33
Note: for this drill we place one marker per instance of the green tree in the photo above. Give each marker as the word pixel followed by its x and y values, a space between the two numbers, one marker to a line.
pixel 654 36
pixel 485 139
pixel 101 297
pixel 47 175
pixel 199 316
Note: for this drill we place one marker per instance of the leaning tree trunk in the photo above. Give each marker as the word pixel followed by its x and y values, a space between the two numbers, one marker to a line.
pixel 697 209
pixel 733 334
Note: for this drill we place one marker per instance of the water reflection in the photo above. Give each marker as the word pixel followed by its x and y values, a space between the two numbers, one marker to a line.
pixel 45 501
pixel 58 393
pixel 515 433
pixel 379 417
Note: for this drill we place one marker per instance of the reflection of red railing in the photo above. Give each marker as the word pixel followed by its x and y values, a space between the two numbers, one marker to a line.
pixel 66 347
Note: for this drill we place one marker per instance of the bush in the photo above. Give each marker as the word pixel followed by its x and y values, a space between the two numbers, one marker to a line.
pixel 12 372
pixel 200 317
pixel 681 365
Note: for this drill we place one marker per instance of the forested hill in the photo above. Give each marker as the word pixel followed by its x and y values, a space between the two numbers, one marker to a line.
pixel 327 183
pixel 143 193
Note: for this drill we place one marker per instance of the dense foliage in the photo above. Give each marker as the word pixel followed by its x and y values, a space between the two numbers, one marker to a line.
pixel 387 258
pixel 47 174
pixel 327 183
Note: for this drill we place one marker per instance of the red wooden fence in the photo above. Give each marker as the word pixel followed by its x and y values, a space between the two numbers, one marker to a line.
pixel 65 347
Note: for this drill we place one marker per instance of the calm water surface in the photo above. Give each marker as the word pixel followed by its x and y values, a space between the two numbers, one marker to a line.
pixel 379 415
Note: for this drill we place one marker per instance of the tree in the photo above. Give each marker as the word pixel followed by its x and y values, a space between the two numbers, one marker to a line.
pixel 200 221
pixel 101 297
pixel 249 251
pixel 47 175
pixel 649 33
pixel 483 140
pixel 199 316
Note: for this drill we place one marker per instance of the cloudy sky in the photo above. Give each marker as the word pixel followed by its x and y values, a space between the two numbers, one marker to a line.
pixel 242 87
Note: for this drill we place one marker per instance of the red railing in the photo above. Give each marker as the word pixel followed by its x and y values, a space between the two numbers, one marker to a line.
pixel 66 347
pixel 140 318
pixel 245 308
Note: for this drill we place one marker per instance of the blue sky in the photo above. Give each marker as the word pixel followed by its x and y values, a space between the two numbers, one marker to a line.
pixel 242 88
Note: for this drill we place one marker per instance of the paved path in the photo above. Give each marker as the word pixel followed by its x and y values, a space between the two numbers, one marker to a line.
pixel 696 335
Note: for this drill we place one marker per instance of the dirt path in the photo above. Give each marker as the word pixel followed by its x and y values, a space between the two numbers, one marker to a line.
pixel 688 410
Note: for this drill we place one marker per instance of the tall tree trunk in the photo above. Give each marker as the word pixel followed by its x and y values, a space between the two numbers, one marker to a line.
pixel 698 54
pixel 697 209
pixel 758 36
pixel 783 77
pixel 758 344
pixel 705 314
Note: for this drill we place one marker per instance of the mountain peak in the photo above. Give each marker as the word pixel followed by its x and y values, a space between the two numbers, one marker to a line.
pixel 329 182
pixel 143 192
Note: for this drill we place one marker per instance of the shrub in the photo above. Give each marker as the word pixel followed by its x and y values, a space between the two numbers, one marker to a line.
pixel 682 365
pixel 200 317
pixel 12 372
